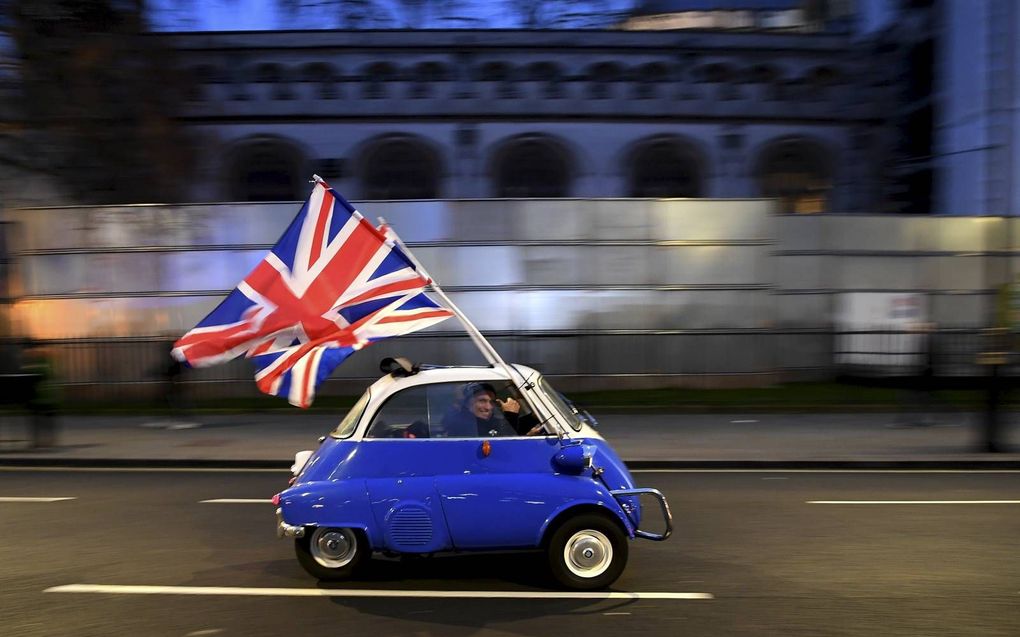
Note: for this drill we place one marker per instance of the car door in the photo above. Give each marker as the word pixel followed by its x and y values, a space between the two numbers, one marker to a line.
pixel 399 464
pixel 501 499
pixel 500 491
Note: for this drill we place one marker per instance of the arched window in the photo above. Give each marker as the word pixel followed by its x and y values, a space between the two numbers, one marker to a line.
pixel 426 75
pixel 796 172
pixel 266 170
pixel 714 73
pixel 665 168
pixel 532 166
pixel 502 74
pixel 323 77
pixel 723 76
pixel 272 75
pixel 548 76
pixel 198 80
pixel 648 78
pixel 769 78
pixel 601 78
pixel 238 79
pixel 820 80
pixel 377 79
pixel 400 167
pixel 493 72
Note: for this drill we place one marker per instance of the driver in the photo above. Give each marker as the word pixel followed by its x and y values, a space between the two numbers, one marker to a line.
pixel 476 414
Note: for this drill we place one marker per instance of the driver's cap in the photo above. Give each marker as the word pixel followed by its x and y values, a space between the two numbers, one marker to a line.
pixel 471 389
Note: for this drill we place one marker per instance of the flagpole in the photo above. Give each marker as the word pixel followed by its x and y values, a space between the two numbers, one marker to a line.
pixel 488 351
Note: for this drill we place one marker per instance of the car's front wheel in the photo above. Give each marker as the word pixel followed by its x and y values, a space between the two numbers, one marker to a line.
pixel 330 553
pixel 587 552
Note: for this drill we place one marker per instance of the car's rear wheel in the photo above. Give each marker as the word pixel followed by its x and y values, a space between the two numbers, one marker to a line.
pixel 330 553
pixel 587 552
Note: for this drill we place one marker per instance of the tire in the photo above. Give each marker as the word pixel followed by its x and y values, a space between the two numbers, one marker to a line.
pixel 587 552
pixel 332 554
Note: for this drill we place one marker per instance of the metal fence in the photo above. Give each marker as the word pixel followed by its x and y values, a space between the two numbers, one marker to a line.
pixel 136 369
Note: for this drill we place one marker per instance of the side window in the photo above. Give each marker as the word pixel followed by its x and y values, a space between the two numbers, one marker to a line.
pixel 452 410
pixel 418 412
pixel 487 410
pixel 404 415
pixel 350 421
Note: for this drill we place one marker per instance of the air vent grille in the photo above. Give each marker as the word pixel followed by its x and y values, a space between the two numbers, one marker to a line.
pixel 411 526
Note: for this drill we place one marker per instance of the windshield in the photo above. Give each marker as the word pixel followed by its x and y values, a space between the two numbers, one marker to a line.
pixel 346 427
pixel 561 404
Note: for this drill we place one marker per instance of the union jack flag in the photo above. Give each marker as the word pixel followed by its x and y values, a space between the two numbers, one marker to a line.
pixel 331 285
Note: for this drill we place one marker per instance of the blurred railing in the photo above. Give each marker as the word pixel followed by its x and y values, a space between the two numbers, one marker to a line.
pixel 952 353
pixel 139 369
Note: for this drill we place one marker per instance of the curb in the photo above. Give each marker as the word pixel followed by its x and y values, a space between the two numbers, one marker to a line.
pixel 644 465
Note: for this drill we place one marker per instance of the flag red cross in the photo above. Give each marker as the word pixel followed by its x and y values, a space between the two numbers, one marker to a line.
pixel 308 302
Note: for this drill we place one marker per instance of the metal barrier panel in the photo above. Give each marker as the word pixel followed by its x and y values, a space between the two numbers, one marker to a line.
pixel 594 291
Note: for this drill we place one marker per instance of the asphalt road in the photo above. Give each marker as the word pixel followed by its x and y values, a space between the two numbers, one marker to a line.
pixel 773 561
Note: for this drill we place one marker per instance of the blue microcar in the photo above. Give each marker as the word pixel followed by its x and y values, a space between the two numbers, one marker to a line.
pixel 434 459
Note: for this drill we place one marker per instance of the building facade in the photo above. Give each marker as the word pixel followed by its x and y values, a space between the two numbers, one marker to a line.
pixel 514 114
pixel 977 124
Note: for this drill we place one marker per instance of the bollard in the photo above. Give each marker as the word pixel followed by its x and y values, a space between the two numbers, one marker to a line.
pixel 994 359
pixel 993 412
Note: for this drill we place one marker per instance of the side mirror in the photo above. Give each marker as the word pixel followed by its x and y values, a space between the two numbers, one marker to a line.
pixel 574 459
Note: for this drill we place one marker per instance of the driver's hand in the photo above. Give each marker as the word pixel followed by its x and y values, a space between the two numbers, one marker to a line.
pixel 509 405
pixel 536 430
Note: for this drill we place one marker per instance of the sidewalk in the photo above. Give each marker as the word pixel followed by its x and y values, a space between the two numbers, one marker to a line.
pixel 644 441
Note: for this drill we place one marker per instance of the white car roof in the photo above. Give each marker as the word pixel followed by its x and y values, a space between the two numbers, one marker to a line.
pixel 389 384
pixel 452 374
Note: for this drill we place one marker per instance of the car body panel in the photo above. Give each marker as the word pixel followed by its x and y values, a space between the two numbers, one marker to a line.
pixel 332 504
pixel 408 514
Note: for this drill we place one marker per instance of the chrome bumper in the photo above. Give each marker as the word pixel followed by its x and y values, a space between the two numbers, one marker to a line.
pixel 655 493
pixel 287 530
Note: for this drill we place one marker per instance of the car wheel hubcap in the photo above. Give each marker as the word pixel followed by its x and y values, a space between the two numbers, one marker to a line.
pixel 588 553
pixel 333 548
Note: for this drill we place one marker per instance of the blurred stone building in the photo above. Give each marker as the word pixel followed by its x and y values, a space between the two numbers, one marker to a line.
pixel 950 125
pixel 907 106
pixel 766 101
pixel 976 96
pixel 819 108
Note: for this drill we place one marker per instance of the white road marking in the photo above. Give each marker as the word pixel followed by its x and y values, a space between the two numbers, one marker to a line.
pixel 203 633
pixel 608 614
pixel 741 422
pixel 2 499
pixel 913 501
pixel 237 501
pixel 319 592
